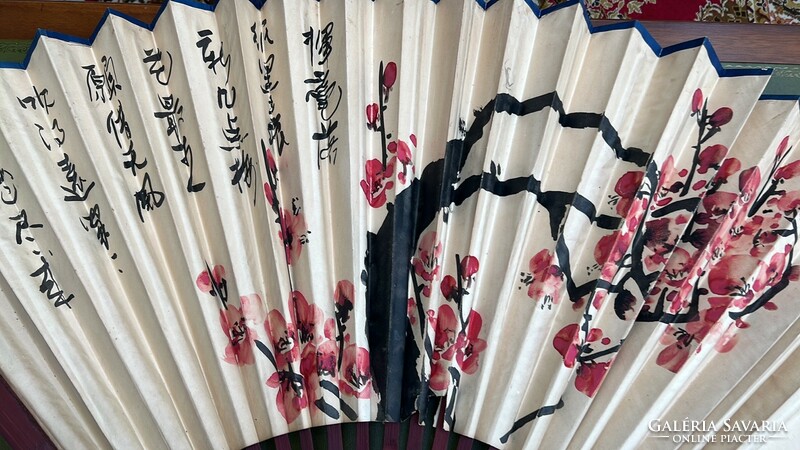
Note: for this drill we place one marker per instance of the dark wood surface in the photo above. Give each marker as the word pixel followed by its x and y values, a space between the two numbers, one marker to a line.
pixel 756 43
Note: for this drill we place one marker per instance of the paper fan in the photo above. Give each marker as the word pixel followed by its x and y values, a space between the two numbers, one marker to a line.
pixel 247 220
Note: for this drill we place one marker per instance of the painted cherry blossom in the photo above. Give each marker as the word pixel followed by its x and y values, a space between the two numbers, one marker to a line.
pixel 293 234
pixel 376 182
pixel 355 378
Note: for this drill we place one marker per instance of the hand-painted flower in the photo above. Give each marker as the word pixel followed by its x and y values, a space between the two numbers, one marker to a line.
pixel 389 75
pixel 293 227
pixel 376 182
pixel 426 262
pixel 449 287
pixel 674 356
pixel 327 352
pixel 305 317
pixel 239 350
pixel 292 397
pixel 344 294
pixel 468 345
pixel 719 203
pixel 205 281
pixel 720 117
pixel 626 188
pixel 469 266
pixel 771 273
pixel 372 112
pixel 730 275
pixel 566 343
pixel 788 171
pixel 710 157
pixel 590 376
pixel 283 337
pixel 697 101
pixel 728 167
pixel 547 276
pixel 355 376
pixel 445 325
pixel 678 267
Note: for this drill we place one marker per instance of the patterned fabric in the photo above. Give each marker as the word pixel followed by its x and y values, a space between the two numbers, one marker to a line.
pixel 745 11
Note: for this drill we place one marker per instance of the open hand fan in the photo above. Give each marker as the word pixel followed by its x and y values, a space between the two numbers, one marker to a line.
pixel 247 220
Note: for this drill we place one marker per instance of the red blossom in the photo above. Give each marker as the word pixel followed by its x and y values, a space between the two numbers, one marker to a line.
pixel 293 228
pixel 445 325
pixel 720 117
pixel 566 343
pixel 305 317
pixel 547 275
pixel 469 266
pixel 411 311
pixel 344 294
pixel 449 287
pixel 376 182
pixel 236 323
pixel 678 267
pixel 788 171
pixel 309 367
pixel 590 376
pixel 728 167
pixel 426 262
pixel 771 273
pixel 283 337
pixel 674 356
pixel 710 157
pixel 327 353
pixel 204 280
pixel 697 101
pixel 718 203
pixel 786 202
pixel 292 396
pixel 403 152
pixel 372 112
pixel 729 276
pixel 782 147
pixel 469 345
pixel 389 75
pixel 626 188
pixel 355 377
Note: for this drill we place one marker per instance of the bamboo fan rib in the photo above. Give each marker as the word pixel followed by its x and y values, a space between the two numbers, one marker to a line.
pixel 252 219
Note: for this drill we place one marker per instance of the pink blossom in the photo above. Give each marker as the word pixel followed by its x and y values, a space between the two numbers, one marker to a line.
pixel 720 117
pixel 305 317
pixel 372 112
pixel 389 75
pixel 241 337
pixel 377 182
pixel 206 282
pixel 283 337
pixel 293 228
pixel 590 376
pixel 697 101
pixel 468 345
pixel 355 378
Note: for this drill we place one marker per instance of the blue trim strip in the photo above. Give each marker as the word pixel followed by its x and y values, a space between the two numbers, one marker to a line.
pixel 780 97
pixel 485 4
